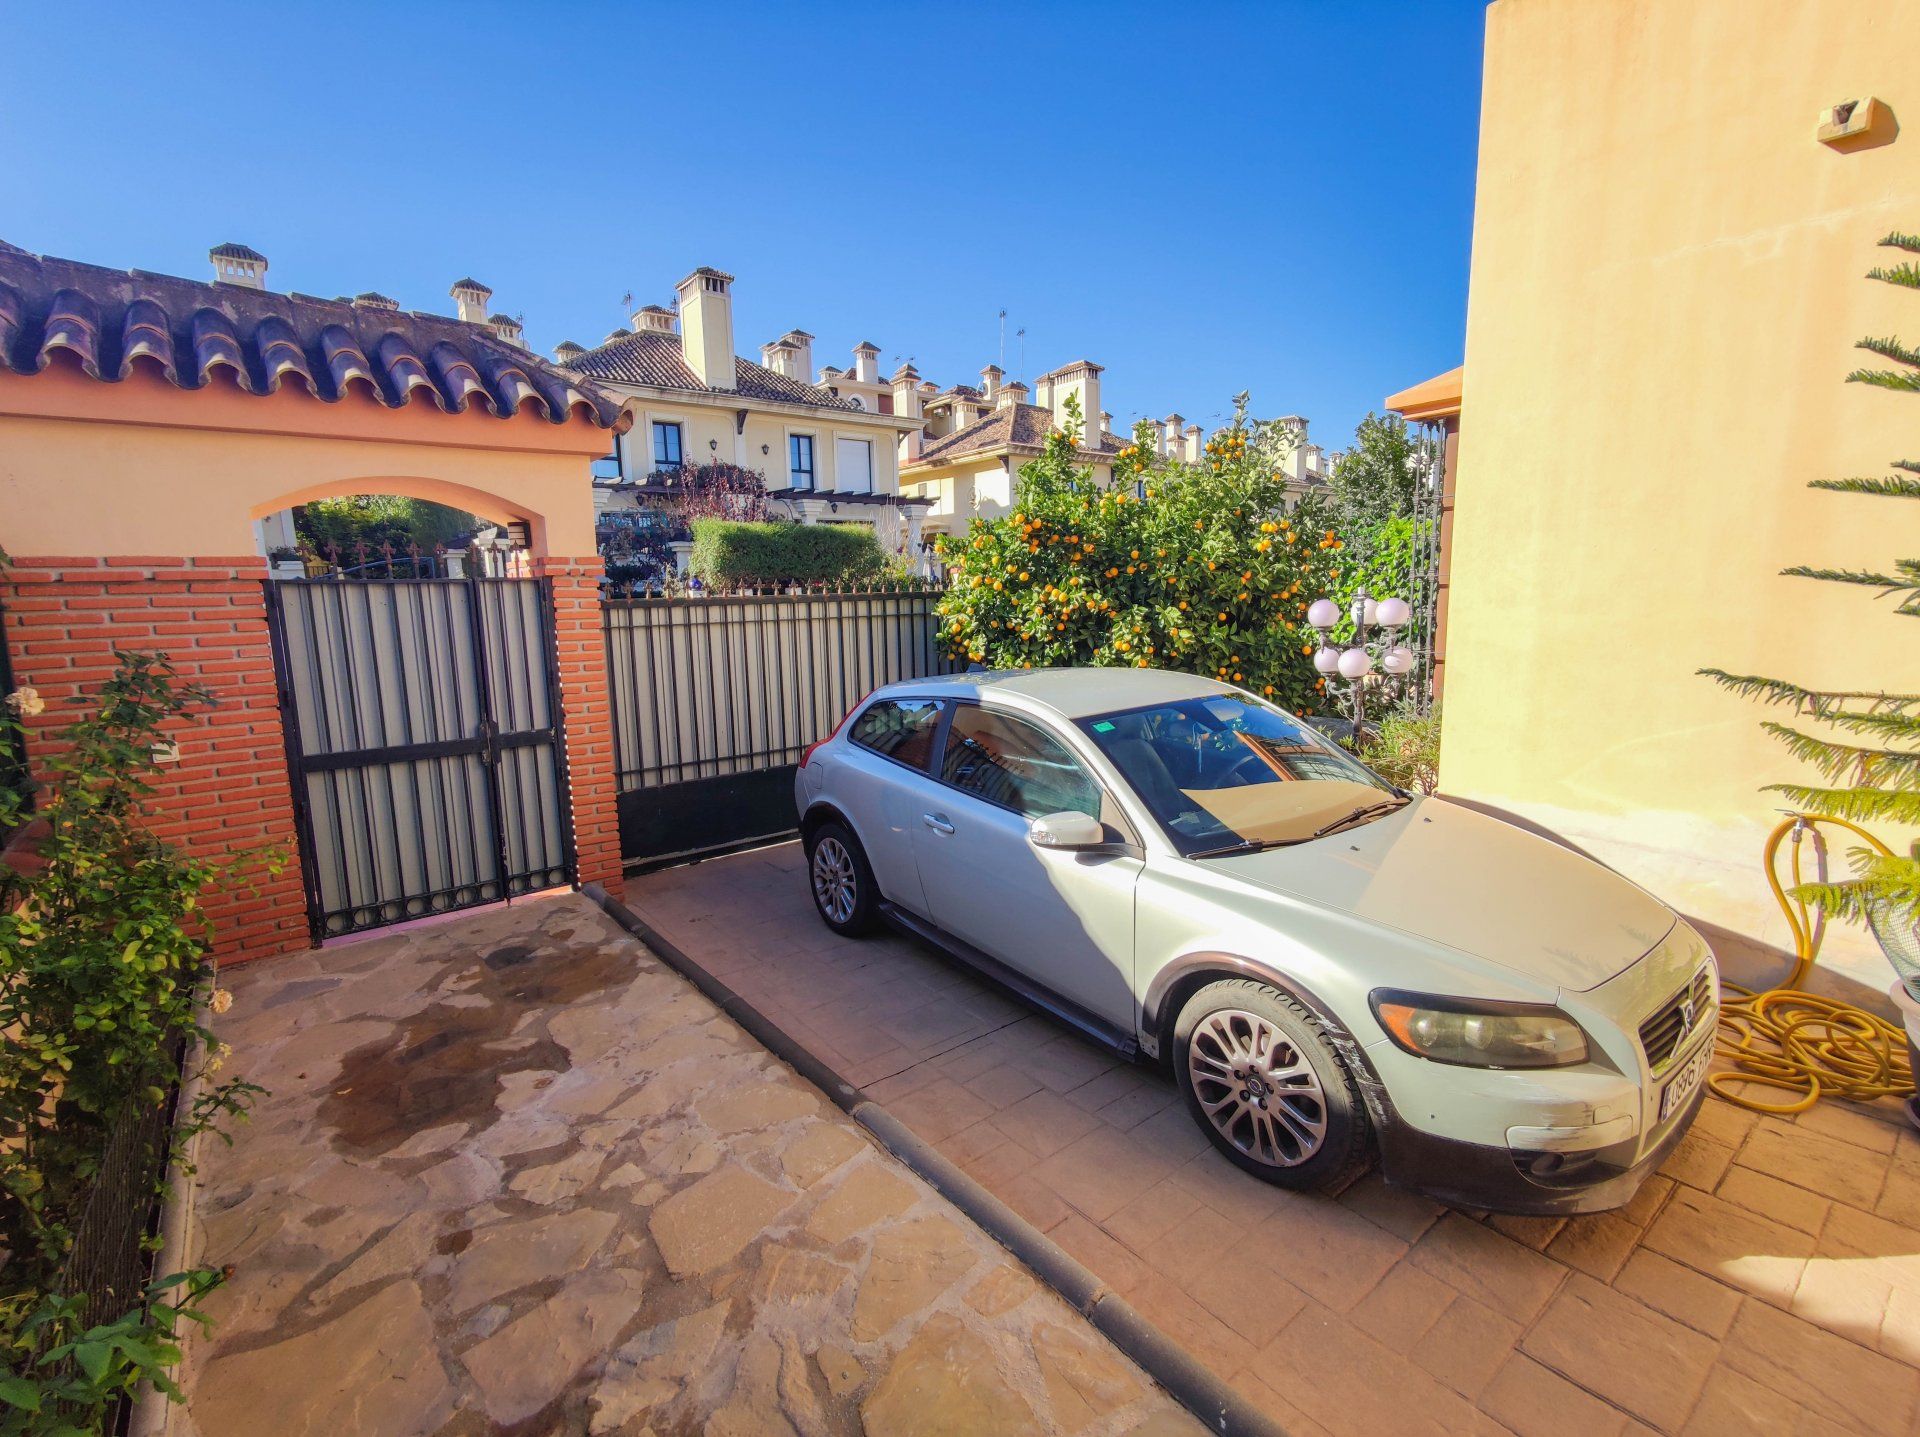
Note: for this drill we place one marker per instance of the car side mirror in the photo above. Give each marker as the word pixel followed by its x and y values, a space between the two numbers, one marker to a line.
pixel 1068 830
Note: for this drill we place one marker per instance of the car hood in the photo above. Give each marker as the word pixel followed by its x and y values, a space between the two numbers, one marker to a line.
pixel 1457 877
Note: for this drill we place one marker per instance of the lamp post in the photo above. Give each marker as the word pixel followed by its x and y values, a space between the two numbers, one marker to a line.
pixel 1374 661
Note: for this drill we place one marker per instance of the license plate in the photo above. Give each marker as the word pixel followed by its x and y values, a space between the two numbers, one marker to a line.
pixel 1681 1086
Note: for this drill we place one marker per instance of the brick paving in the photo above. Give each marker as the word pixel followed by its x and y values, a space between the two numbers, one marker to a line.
pixel 514 1176
pixel 1766 1280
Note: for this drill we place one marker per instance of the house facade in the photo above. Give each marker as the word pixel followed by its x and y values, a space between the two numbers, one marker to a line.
pixel 826 457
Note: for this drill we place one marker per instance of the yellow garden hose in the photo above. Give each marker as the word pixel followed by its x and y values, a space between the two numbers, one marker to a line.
pixel 1798 1042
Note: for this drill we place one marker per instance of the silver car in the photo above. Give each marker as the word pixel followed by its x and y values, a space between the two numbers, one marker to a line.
pixel 1334 970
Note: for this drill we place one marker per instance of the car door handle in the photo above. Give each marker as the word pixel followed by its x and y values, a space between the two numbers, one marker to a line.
pixel 937 822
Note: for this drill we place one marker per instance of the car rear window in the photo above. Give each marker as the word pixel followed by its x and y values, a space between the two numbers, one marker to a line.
pixel 900 729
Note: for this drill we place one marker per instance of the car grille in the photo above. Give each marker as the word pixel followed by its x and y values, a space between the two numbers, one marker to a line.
pixel 1662 1034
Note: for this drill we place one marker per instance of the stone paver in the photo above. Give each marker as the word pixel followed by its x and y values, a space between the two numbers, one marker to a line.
pixel 513 1175
pixel 1767 1280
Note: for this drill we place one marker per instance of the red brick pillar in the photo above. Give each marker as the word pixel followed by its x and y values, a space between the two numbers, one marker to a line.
pixel 587 712
pixel 229 790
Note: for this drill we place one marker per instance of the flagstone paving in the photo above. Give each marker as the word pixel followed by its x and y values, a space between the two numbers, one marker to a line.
pixel 513 1175
pixel 1766 1280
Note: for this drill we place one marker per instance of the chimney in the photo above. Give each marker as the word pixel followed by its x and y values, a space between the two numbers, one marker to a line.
pixel 1106 422
pixel 236 264
pixel 1010 395
pixel 1196 443
pixel 866 362
pixel 373 299
pixel 567 351
pixel 990 378
pixel 653 319
pixel 470 297
pixel 1173 436
pixel 1080 380
pixel 802 343
pixel 906 392
pixel 510 330
pixel 706 326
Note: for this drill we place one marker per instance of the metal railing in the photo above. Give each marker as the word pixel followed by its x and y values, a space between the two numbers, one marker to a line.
pixel 705 687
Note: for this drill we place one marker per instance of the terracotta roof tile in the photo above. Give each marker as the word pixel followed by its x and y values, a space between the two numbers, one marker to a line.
pixel 111 320
pixel 1014 427
pixel 657 361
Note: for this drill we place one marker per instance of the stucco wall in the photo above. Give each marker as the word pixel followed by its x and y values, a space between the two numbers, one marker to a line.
pixel 137 467
pixel 707 434
pixel 1667 284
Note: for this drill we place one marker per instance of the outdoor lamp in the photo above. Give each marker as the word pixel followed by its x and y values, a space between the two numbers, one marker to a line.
pixel 1373 660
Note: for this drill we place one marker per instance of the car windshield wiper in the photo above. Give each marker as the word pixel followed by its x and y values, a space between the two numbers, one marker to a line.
pixel 1245 845
pixel 1367 810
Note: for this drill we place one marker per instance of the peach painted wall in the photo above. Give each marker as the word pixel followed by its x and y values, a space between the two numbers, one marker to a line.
pixel 138 467
pixel 1667 286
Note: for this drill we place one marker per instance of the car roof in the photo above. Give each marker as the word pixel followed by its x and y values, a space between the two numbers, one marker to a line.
pixel 1071 693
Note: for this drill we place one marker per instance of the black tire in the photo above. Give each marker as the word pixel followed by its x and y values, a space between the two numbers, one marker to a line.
pixel 1271 1122
pixel 826 846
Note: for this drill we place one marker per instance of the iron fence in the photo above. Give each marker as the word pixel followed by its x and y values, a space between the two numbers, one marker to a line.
pixel 716 698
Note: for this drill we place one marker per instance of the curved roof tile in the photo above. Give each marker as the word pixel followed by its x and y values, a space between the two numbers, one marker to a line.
pixel 107 320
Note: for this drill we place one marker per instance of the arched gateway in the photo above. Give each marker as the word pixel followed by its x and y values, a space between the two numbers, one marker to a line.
pixel 446 739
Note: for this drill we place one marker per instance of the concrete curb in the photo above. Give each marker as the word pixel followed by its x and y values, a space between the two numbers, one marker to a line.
pixel 1188 1381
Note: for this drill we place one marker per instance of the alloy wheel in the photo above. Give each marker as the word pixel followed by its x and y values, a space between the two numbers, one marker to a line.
pixel 1257 1088
pixel 834 884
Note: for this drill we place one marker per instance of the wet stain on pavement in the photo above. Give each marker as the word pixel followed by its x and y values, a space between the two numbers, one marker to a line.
pixel 446 1063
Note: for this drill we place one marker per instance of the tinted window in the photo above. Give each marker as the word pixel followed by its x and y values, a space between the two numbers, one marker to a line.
pixel 902 729
pixel 1013 763
pixel 1226 768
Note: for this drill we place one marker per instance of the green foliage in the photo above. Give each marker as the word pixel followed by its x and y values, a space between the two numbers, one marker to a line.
pixel 102 969
pixel 64 1380
pixel 1877 781
pixel 1203 573
pixel 1388 563
pixel 1373 482
pixel 1405 750
pixel 734 555
pixel 377 521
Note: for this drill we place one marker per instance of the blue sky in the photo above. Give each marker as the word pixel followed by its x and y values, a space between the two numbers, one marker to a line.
pixel 1202 198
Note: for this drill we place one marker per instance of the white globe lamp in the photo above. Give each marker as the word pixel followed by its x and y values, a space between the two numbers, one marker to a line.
pixel 1369 612
pixel 1355 664
pixel 1393 613
pixel 1323 613
pixel 1326 660
pixel 1397 660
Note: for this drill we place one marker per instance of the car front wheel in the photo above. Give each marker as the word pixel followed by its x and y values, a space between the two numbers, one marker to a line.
pixel 841 880
pixel 1263 1079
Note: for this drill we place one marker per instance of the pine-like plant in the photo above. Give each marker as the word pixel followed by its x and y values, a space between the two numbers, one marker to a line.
pixel 1876 777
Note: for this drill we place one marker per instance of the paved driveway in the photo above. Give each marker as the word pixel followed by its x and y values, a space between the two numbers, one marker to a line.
pixel 514 1176
pixel 1767 1280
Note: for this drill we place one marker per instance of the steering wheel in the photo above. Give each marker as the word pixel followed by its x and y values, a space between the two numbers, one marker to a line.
pixel 1231 777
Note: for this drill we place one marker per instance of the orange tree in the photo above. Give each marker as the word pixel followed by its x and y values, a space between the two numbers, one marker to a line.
pixel 1194 567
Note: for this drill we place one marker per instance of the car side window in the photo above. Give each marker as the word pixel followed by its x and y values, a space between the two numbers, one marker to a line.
pixel 899 729
pixel 1015 764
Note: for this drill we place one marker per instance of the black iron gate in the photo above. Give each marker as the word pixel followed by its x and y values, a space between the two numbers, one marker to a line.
pixel 424 739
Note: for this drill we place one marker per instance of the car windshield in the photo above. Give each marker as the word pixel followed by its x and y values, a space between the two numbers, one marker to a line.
pixel 1226 772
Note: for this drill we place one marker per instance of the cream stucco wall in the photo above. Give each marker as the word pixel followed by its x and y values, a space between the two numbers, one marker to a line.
pixel 1667 284
pixel 974 488
pixel 138 467
pixel 708 433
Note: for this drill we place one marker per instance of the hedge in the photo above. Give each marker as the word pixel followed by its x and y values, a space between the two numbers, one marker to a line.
pixel 727 554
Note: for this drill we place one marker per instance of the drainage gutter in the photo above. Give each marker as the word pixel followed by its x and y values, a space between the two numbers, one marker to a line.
pixel 1189 1382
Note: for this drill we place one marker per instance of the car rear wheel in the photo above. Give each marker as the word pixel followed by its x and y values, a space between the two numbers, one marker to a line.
pixel 1263 1079
pixel 841 880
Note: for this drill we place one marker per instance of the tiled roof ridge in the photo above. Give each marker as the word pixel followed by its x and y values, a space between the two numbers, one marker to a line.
pixel 655 359
pixel 1011 426
pixel 109 320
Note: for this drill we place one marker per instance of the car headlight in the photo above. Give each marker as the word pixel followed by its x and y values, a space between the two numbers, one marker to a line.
pixel 1480 1033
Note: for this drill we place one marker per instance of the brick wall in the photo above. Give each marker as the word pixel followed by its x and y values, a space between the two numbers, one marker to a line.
pixel 582 648
pixel 229 790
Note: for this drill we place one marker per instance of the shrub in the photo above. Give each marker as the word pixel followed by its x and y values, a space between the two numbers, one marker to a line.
pixel 1202 572
pixel 102 967
pixel 730 555
pixel 373 522
pixel 1405 750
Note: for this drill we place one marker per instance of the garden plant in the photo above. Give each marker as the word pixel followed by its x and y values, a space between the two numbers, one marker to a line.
pixel 1193 567
pixel 104 976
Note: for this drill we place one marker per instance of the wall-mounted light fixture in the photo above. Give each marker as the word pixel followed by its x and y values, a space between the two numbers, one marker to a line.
pixel 1852 124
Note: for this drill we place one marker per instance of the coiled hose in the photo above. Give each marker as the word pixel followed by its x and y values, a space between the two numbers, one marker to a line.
pixel 1796 1042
